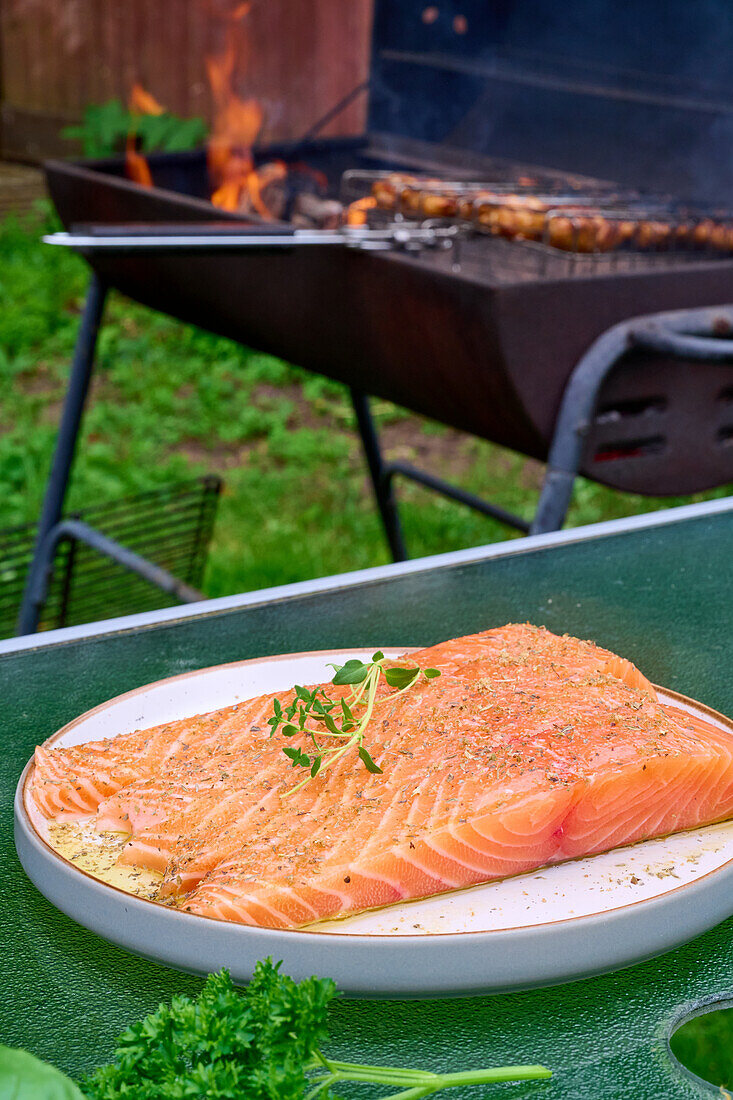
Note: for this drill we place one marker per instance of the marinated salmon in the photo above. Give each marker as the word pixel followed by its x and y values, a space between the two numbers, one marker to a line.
pixel 529 749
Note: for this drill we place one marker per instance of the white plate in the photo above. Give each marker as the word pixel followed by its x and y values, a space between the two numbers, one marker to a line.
pixel 553 925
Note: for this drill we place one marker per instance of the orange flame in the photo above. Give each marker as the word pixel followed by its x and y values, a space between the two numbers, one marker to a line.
pixel 136 166
pixel 143 103
pixel 237 124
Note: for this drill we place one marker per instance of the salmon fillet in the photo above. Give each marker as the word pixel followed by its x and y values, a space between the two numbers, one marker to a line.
pixel 529 749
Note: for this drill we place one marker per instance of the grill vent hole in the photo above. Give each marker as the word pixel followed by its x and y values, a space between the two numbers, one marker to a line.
pixel 725 436
pixel 639 406
pixel 632 448
pixel 725 397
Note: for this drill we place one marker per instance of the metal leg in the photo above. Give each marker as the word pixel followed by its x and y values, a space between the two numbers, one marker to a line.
pixel 76 531
pixel 454 492
pixel 573 423
pixel 81 373
pixel 382 487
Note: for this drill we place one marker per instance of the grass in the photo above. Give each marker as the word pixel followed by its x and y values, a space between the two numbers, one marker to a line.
pixel 705 1046
pixel 169 401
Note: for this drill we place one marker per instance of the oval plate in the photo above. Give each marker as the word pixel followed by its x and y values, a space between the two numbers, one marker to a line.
pixel 554 925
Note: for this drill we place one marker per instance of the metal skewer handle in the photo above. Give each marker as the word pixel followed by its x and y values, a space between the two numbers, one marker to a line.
pixel 206 238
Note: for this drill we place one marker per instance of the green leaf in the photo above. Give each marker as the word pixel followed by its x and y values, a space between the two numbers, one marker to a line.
pixel 289 730
pixel 353 672
pixel 330 724
pixel 300 759
pixel 430 673
pixel 106 126
pixel 368 762
pixel 23 1077
pixel 378 656
pixel 401 677
pixel 189 133
pixel 316 766
pixel 346 710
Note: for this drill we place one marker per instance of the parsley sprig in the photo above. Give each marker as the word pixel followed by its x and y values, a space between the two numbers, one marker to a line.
pixel 336 726
pixel 263 1043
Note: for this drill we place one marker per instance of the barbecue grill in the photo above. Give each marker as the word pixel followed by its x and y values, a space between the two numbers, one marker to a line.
pixel 484 335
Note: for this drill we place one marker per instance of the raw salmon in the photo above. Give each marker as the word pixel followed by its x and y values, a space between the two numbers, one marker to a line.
pixel 529 749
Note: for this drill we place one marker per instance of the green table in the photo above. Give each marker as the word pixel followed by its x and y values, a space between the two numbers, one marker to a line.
pixel 657 589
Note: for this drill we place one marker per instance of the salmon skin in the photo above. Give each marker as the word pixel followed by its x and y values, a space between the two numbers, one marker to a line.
pixel 529 749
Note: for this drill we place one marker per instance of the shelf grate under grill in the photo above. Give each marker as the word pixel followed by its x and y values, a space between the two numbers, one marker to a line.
pixel 171 527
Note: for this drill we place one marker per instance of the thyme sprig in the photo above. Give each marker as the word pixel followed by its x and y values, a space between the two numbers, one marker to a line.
pixel 341 721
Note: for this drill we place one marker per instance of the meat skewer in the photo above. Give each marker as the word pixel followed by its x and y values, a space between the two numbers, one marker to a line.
pixel 592 223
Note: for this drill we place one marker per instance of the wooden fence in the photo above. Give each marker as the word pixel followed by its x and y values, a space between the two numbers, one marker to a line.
pixel 56 56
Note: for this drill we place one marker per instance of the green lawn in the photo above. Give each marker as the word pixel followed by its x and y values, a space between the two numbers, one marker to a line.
pixel 705 1046
pixel 170 401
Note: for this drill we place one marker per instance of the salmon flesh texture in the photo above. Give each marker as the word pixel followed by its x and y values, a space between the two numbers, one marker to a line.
pixel 529 749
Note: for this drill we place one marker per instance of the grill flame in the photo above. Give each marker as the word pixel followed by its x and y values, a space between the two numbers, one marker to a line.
pixel 237 184
pixel 136 166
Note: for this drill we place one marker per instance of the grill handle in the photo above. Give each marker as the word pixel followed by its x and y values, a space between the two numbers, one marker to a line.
pixel 694 334
pixel 217 229
pixel 704 335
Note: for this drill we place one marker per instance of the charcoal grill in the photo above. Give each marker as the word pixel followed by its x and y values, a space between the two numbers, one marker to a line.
pixel 485 339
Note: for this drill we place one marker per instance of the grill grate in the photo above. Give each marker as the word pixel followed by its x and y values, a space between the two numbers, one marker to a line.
pixel 172 527
pixel 499 262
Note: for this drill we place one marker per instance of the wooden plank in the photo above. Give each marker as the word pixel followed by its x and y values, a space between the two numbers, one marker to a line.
pixel 199 30
pixel 20 188
pixel 174 24
pixel 13 68
pixel 106 21
pixel 32 135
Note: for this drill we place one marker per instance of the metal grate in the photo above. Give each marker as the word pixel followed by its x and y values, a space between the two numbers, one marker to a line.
pixel 171 527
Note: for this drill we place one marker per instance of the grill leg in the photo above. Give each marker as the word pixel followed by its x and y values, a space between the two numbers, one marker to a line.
pixel 380 481
pixel 58 480
pixel 555 497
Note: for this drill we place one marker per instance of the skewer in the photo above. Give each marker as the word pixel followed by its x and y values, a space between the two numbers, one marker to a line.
pixel 206 238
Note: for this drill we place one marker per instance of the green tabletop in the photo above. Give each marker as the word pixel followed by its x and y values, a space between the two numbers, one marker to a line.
pixel 657 590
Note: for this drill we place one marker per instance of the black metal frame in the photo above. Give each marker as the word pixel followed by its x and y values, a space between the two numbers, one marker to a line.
pixel 52 529
pixel 693 334
pixel 690 334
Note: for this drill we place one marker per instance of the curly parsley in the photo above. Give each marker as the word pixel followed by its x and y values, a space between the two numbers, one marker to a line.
pixel 263 1043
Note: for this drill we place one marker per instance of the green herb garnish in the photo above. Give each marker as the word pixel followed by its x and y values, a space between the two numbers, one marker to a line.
pixel 319 717
pixel 261 1044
